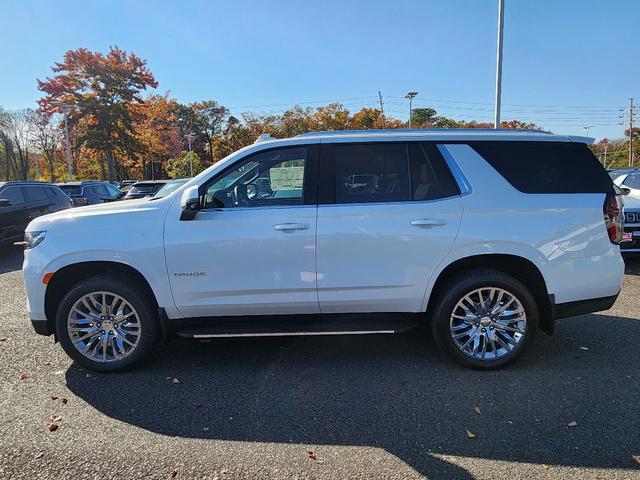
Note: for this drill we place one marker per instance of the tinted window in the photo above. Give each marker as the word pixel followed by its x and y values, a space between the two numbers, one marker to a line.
pixel 14 194
pixel 632 181
pixel 113 191
pixel 547 167
pixel 430 176
pixel 70 189
pixel 51 193
pixel 100 190
pixel 145 188
pixel 271 178
pixel 34 194
pixel 376 172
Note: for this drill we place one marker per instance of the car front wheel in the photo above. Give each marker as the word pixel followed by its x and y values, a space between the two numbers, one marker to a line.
pixel 107 323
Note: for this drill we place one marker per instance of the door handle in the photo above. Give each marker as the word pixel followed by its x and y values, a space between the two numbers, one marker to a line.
pixel 428 222
pixel 288 227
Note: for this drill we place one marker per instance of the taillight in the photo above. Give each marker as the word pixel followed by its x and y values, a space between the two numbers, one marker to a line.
pixel 613 218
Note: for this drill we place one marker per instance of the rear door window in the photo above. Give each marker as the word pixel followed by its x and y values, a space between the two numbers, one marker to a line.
pixel 546 167
pixel 374 172
pixel 34 193
pixel 430 175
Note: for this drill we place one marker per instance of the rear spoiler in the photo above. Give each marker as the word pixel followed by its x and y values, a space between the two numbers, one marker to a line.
pixel 579 139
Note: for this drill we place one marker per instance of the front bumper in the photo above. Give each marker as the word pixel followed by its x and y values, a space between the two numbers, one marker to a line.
pixel 42 327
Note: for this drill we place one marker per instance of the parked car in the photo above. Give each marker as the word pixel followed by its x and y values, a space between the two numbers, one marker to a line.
pixel 630 182
pixel 145 188
pixel 487 235
pixel 170 186
pixel 90 193
pixel 21 202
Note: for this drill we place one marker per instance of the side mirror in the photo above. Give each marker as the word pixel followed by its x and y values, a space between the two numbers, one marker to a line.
pixel 190 203
pixel 625 190
pixel 5 203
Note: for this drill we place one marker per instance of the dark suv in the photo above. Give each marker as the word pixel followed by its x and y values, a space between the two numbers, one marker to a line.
pixel 145 188
pixel 90 193
pixel 21 202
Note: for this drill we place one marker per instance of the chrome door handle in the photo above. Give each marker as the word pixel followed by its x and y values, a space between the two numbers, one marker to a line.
pixel 428 222
pixel 288 227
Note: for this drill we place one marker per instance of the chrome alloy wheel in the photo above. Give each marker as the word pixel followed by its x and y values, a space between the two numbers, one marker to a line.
pixel 488 323
pixel 104 327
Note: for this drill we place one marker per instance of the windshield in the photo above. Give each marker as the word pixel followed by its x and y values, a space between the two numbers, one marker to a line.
pixel 71 189
pixel 170 187
pixel 145 188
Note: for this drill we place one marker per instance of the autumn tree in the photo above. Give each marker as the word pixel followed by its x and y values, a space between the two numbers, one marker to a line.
pixel 47 136
pixel 157 132
pixel 104 90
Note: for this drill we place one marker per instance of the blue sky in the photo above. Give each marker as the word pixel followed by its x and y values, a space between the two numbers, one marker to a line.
pixel 567 63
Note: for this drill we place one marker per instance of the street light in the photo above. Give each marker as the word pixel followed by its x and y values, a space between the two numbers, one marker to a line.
pixel 587 128
pixel 189 136
pixel 496 123
pixel 65 107
pixel 410 97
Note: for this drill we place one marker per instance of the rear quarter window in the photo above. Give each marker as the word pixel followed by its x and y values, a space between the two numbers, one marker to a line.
pixel 546 167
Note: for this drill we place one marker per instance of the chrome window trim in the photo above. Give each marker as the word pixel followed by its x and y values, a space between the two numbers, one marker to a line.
pixel 461 180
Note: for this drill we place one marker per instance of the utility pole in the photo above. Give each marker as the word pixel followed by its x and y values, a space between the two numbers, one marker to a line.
pixel 496 122
pixel 189 136
pixel 381 107
pixel 606 145
pixel 410 97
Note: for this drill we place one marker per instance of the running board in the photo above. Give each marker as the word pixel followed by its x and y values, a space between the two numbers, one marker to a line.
pixel 301 325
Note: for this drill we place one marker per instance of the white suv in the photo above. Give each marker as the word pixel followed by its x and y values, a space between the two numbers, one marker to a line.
pixel 486 235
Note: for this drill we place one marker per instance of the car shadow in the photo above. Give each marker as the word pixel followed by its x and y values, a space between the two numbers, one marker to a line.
pixel 10 258
pixel 395 392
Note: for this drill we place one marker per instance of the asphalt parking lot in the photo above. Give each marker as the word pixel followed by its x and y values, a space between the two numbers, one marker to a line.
pixel 366 407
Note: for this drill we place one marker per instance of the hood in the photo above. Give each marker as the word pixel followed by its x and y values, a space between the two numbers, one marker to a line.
pixel 632 200
pixel 104 210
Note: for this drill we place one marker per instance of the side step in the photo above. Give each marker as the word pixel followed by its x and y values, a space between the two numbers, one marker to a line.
pixel 279 326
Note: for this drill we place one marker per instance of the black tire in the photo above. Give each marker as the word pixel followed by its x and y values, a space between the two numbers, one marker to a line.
pixel 462 284
pixel 133 293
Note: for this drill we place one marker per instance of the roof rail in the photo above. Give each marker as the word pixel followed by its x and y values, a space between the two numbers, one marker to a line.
pixel 420 130
pixel 263 138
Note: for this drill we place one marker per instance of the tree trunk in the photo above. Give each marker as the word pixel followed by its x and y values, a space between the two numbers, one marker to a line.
pixel 110 160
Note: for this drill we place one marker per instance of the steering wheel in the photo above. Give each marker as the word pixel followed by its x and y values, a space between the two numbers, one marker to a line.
pixel 239 196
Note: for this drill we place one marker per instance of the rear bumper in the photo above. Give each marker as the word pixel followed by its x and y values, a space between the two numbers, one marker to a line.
pixel 581 307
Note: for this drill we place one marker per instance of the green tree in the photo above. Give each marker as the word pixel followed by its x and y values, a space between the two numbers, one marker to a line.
pixel 180 167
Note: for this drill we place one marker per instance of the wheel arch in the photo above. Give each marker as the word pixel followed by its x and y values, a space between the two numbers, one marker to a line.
pixel 519 267
pixel 70 275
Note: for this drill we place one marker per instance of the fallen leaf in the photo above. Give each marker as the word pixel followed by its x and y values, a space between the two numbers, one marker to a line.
pixel 59 372
pixel 584 348
pixel 572 424
pixel 173 473
pixel 545 466
pixel 56 418
pixel 175 381
pixel 636 458
pixel 470 434
pixel 3 339
pixel 64 400
pixel 52 427
pixel 311 454
pixel 477 410
pixel 24 376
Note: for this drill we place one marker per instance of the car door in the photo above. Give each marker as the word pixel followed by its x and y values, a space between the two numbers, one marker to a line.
pixel 251 249
pixel 388 214
pixel 14 217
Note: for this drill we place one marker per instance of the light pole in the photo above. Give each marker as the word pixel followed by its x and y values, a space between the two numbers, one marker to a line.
pixel 189 136
pixel 410 96
pixel 65 107
pixel 496 123
pixel 587 128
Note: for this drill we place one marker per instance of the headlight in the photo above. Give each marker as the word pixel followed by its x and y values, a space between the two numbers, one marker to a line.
pixel 31 239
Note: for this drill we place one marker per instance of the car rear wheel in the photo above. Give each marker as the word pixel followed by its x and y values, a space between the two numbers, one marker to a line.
pixel 485 319
pixel 107 323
